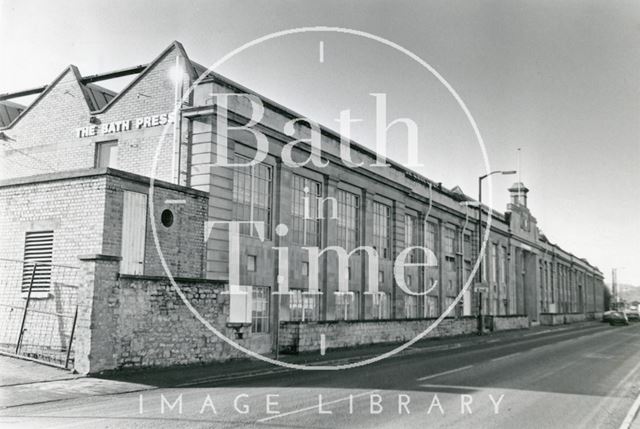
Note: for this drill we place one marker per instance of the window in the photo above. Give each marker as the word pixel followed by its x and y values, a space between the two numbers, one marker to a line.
pixel 252 195
pixel 302 306
pixel 450 241
pixel 494 262
pixel 107 154
pixel 431 237
pixel 447 303
pixel 251 263
pixel 166 218
pixel 38 253
pixel 450 247
pixel 260 309
pixel 380 277
pixel 382 230
pixel 409 233
pixel 348 220
pixel 431 242
pixel 305 269
pixel 410 236
pixel 410 306
pixel 306 226
pixel 451 289
pixel 430 306
pixel 450 264
pixel 466 247
pixel 347 305
pixel 503 265
pixel 381 306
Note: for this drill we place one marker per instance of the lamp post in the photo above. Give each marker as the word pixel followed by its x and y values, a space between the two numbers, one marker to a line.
pixel 480 267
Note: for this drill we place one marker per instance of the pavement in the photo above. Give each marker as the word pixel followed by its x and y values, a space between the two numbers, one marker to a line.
pixel 585 375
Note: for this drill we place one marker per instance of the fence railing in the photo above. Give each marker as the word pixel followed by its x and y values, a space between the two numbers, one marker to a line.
pixel 38 310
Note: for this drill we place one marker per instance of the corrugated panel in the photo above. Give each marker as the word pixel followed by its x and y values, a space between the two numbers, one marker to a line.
pixel 38 253
pixel 98 96
pixel 134 225
pixel 8 112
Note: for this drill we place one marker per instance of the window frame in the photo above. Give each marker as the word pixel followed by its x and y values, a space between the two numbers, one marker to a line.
pixel 112 143
pixel 315 194
pixel 253 190
pixel 382 224
pixel 260 295
pixel 348 222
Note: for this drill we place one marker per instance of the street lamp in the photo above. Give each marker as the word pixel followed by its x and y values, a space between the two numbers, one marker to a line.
pixel 480 267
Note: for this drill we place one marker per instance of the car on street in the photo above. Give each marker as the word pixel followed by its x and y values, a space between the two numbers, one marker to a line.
pixel 633 314
pixel 618 318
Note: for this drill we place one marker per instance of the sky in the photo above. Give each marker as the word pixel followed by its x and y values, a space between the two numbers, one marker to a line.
pixel 557 79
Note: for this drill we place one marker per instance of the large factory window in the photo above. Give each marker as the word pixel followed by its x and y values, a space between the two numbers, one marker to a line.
pixel 305 221
pixel 382 230
pixel 252 195
pixel 260 309
pixel 348 220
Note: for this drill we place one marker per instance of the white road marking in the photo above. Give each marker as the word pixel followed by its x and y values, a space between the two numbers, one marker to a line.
pixel 612 395
pixel 505 356
pixel 633 411
pixel 451 371
pixel 313 407
pixel 449 386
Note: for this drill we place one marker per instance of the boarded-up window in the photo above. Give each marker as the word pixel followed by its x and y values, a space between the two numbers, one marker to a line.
pixel 38 251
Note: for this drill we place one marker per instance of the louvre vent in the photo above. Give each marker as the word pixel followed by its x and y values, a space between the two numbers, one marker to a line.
pixel 38 249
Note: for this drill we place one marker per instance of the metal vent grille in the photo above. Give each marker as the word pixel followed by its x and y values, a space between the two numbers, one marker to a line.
pixel 38 249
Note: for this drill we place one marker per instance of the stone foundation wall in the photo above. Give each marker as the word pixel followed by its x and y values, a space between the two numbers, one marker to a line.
pixel 507 323
pixel 551 319
pixel 138 321
pixel 296 337
pixel 155 328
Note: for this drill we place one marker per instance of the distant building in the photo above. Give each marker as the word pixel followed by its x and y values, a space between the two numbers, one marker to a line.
pixel 75 175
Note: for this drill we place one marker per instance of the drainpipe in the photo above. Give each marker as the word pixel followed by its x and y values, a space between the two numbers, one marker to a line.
pixel 177 121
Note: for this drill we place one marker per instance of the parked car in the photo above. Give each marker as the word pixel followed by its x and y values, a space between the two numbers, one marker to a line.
pixel 618 318
pixel 633 314
pixel 606 316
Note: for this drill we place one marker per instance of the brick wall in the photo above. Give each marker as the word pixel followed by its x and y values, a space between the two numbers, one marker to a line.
pixel 83 208
pixel 74 210
pixel 45 140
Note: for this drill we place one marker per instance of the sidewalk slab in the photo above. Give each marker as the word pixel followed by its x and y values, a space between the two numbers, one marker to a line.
pixel 56 390
pixel 14 370
pixel 24 382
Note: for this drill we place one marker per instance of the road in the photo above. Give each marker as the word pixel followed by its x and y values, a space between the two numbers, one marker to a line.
pixel 569 378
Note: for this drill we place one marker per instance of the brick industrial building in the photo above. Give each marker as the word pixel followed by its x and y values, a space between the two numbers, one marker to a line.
pixel 74 192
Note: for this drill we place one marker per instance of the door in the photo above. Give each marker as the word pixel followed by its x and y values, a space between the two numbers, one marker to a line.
pixel 134 226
